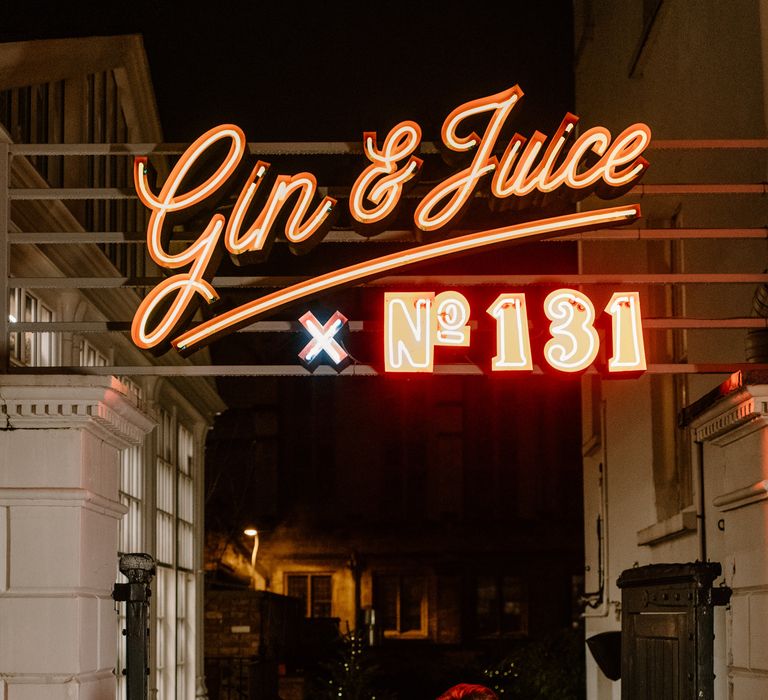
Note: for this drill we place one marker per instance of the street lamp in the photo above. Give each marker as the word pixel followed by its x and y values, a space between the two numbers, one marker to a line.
pixel 253 532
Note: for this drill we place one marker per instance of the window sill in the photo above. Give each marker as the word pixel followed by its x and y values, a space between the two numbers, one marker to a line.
pixel 679 525
pixel 388 634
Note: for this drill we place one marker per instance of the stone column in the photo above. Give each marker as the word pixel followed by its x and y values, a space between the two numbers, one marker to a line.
pixel 60 442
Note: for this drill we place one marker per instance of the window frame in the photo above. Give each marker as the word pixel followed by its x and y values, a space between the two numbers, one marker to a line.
pixel 423 631
pixel 309 602
pixel 30 348
pixel 499 578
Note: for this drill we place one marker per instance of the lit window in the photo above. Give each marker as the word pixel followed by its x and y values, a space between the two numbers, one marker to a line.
pixel 174 526
pixel 130 536
pixel 91 357
pixel 30 348
pixel 314 590
pixel 501 606
pixel 401 605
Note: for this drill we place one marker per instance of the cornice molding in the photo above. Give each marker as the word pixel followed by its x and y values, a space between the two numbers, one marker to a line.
pixel 733 417
pixel 72 497
pixel 101 405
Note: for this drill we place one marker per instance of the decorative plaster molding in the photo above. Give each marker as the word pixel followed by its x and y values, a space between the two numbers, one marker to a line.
pixel 734 418
pixel 742 497
pixel 57 593
pixel 46 679
pixel 81 498
pixel 99 404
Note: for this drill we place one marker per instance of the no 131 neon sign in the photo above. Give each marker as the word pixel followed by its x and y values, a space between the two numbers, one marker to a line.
pixel 415 323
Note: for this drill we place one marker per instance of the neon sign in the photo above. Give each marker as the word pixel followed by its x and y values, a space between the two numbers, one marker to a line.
pixel 417 322
pixel 324 341
pixel 591 162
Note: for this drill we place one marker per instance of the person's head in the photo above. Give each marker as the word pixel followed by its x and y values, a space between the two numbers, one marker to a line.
pixel 466 691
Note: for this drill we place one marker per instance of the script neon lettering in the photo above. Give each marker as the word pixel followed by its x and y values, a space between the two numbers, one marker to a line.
pixel 298 228
pixel 526 177
pixel 382 182
pixel 186 285
pixel 445 201
pixel 591 161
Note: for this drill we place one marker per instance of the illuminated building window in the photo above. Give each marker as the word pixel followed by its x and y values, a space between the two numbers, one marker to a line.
pixel 31 349
pixel 501 606
pixel 314 590
pixel 175 557
pixel 401 604
pixel 131 535
pixel 91 357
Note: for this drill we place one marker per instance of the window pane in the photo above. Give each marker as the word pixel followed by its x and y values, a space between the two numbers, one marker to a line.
pixel 513 611
pixel 411 596
pixel 30 315
pixel 487 605
pixel 297 588
pixel 321 596
pixel 386 601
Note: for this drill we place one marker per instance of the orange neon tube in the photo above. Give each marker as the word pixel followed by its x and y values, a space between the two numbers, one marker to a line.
pixel 542 228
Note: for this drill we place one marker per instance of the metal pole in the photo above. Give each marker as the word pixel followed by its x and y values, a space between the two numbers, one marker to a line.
pixel 5 254
pixel 139 570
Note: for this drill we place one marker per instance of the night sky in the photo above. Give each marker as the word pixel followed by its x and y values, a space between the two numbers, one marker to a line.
pixel 286 73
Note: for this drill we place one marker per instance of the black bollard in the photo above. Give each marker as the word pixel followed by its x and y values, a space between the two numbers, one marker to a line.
pixel 139 569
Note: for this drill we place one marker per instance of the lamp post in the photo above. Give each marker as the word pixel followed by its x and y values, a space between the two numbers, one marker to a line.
pixel 253 532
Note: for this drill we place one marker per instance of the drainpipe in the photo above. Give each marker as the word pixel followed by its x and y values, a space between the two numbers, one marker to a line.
pixel 598 601
pixel 701 515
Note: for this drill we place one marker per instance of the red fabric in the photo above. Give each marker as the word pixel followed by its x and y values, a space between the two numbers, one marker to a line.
pixel 465 691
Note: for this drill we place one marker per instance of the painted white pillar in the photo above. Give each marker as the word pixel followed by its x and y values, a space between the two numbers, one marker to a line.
pixel 60 442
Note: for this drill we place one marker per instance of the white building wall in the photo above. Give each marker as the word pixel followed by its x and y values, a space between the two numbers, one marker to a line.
pixel 698 74
pixel 59 512
pixel 80 81
pixel 735 437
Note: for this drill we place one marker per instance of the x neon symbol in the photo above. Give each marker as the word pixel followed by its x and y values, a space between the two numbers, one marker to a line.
pixel 323 340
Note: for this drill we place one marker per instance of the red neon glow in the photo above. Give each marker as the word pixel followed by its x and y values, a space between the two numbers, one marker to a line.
pixel 450 319
pixel 627 332
pixel 513 343
pixel 416 322
pixel 574 343
pixel 408 332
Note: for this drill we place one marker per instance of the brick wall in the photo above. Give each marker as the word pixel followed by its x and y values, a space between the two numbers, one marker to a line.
pixel 239 622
